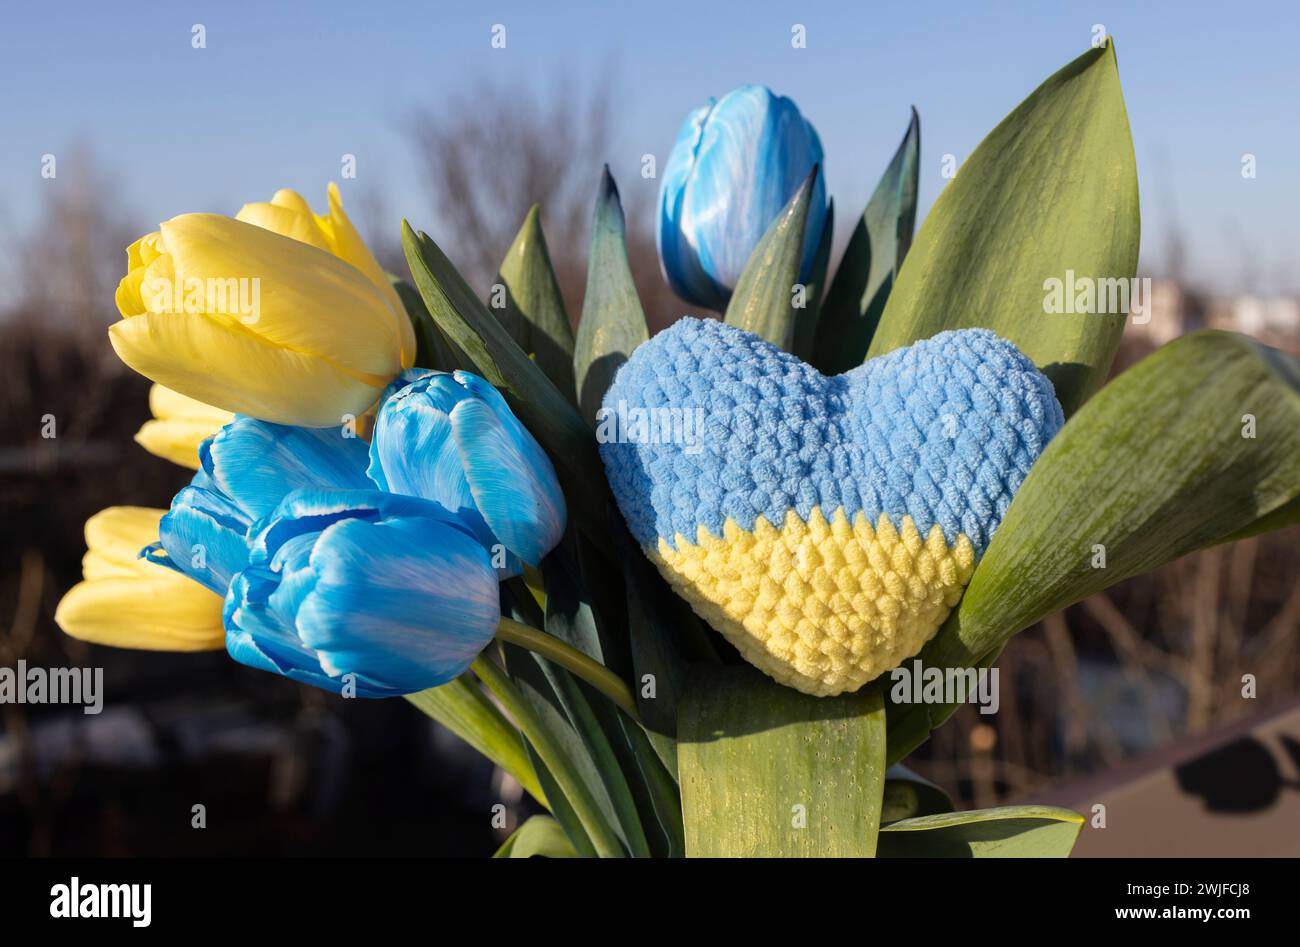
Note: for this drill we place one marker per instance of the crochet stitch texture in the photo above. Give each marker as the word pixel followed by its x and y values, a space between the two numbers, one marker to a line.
pixel 825 526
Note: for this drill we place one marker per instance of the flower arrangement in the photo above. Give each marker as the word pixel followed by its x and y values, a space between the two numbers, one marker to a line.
pixel 691 591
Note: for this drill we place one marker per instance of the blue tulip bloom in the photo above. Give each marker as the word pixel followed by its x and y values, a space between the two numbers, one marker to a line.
pixel 735 165
pixel 391 594
pixel 452 439
pixel 247 468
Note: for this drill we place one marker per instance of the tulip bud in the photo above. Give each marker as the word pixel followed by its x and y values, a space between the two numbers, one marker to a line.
pixel 452 438
pixel 130 602
pixel 287 318
pixel 735 165
pixel 179 426
pixel 390 594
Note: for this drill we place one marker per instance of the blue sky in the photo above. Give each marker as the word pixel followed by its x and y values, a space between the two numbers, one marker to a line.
pixel 282 90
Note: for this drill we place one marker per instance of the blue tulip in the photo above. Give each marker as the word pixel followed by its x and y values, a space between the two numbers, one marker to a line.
pixel 735 165
pixel 247 469
pixel 452 439
pixel 390 594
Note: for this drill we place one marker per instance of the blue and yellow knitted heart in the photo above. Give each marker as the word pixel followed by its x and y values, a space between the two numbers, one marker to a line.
pixel 825 526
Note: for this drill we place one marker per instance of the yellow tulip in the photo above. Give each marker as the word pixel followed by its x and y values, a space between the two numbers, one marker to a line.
pixel 179 425
pixel 279 314
pixel 129 602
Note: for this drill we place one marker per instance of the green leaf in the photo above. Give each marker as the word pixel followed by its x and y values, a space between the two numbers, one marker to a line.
pixel 756 759
pixel 519 603
pixel 665 636
pixel 763 302
pixel 534 313
pixel 565 768
pixel 661 798
pixel 594 720
pixel 569 613
pixel 1051 190
pixel 1008 832
pixel 806 320
pixel 908 795
pixel 547 414
pixel 1286 515
pixel 570 820
pixel 639 770
pixel 600 577
pixel 1154 467
pixel 651 607
pixel 463 708
pixel 432 349
pixel 612 762
pixel 564 712
pixel 612 323
pixel 909 725
pixel 540 836
pixel 871 261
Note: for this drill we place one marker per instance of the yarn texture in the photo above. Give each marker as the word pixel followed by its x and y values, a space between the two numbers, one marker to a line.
pixel 825 526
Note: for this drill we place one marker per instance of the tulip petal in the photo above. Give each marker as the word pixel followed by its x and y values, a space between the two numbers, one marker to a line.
pixel 677 258
pixel 116 535
pixel 257 463
pixel 414 451
pixel 143 252
pixel 387 593
pixel 511 478
pixel 127 297
pixel 158 285
pixel 411 601
pixel 289 198
pixel 348 245
pixel 97 565
pixel 258 637
pixel 287 222
pixel 312 511
pixel 176 440
pixel 204 536
pixel 240 372
pixel 159 610
pixel 167 405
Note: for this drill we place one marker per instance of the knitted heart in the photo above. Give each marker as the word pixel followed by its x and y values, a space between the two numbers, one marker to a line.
pixel 825 526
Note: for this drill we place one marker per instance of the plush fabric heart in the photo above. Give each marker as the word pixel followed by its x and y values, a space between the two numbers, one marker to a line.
pixel 825 526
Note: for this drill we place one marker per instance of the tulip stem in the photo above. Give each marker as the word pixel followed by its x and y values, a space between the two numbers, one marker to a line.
pixel 571 659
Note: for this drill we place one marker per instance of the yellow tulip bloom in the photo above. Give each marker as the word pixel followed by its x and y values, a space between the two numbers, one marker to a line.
pixel 278 314
pixel 129 602
pixel 179 425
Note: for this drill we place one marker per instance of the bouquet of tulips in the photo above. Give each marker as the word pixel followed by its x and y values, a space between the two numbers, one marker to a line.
pixel 691 591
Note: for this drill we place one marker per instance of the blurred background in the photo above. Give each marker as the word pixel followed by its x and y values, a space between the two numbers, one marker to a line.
pixel 461 138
